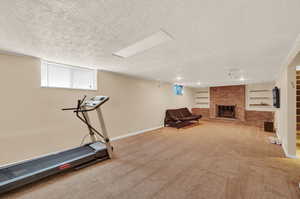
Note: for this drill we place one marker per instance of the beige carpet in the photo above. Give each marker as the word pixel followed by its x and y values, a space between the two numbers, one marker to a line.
pixel 213 160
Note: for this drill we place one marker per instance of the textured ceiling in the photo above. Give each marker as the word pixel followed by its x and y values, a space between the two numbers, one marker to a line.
pixel 210 36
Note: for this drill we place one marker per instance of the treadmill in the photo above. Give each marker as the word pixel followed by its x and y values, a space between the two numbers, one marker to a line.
pixel 99 149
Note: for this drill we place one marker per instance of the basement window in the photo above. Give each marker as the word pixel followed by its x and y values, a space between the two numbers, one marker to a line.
pixel 54 75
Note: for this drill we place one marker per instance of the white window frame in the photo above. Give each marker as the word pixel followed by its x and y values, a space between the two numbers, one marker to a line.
pixel 45 64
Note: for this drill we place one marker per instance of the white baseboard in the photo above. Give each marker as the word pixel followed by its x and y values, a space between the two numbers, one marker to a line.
pixel 284 148
pixel 277 134
pixel 136 133
pixel 287 154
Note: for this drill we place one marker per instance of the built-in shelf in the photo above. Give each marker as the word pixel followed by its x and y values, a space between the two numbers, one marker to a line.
pixel 259 98
pixel 263 90
pixel 260 105
pixel 202 98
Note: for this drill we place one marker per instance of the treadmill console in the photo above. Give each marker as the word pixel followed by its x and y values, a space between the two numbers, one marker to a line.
pixel 96 101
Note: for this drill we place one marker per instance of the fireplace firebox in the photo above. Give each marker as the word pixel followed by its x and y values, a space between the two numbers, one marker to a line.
pixel 226 111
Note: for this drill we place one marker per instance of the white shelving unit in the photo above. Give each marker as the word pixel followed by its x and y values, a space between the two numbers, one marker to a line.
pixel 202 98
pixel 259 97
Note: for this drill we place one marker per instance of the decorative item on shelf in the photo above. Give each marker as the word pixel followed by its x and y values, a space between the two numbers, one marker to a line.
pixel 261 104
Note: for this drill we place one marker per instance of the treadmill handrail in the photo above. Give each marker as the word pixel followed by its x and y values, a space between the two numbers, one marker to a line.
pixel 68 109
pixel 80 102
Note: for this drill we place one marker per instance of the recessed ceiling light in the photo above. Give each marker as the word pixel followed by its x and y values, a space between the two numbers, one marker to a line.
pixel 179 78
pixel 144 44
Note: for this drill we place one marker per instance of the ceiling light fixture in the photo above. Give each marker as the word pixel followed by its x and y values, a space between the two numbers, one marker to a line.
pixel 179 78
pixel 144 44
pixel 234 73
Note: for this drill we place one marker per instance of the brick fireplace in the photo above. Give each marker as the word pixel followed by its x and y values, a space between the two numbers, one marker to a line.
pixel 231 98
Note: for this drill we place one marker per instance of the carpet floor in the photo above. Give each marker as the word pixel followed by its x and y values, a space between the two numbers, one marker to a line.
pixel 214 160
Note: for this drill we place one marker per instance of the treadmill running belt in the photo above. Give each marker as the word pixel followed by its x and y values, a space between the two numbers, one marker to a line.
pixel 42 163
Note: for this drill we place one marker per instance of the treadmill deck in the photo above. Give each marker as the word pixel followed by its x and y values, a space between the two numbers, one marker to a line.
pixel 52 163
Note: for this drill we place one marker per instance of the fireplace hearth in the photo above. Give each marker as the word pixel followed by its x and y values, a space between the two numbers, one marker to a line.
pixel 226 111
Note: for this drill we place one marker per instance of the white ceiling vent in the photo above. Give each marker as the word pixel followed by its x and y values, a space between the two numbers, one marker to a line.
pixel 235 73
pixel 145 44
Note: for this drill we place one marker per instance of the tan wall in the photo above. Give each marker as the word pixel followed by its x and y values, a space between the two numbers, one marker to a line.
pixel 138 104
pixel 32 123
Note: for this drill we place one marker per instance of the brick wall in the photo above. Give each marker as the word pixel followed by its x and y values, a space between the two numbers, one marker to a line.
pixel 257 118
pixel 228 95
pixel 201 111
